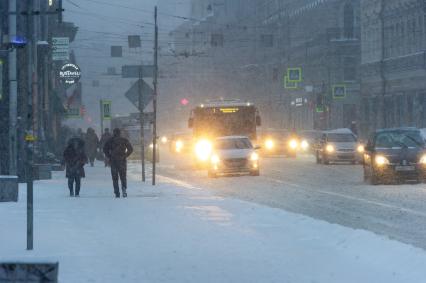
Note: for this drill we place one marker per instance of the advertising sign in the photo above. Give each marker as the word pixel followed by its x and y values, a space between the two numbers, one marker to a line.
pixel 69 74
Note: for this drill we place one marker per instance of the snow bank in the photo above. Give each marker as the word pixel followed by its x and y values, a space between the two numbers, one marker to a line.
pixel 180 233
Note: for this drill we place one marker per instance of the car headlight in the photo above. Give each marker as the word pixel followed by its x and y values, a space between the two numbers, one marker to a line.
pixel 254 156
pixel 360 148
pixel 269 144
pixel 329 148
pixel 203 150
pixel 423 159
pixel 179 146
pixel 215 159
pixel 164 140
pixel 293 144
pixel 304 145
pixel 381 160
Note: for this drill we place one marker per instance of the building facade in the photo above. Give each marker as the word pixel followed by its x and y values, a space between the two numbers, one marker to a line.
pixel 393 63
pixel 244 49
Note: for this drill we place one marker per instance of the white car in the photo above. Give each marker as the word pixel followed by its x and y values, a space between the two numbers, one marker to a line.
pixel 233 154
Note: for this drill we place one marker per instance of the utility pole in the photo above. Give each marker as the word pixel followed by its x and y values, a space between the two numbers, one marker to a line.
pixel 142 123
pixel 13 93
pixel 154 138
pixel 29 136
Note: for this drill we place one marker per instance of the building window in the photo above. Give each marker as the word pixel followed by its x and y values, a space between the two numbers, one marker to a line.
pixel 348 21
pixel 349 69
pixel 267 40
pixel 217 40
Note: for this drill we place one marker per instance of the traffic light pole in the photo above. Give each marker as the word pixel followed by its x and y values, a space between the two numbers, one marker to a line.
pixel 154 138
pixel 142 124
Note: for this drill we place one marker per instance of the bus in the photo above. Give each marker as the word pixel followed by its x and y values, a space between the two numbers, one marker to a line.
pixel 221 118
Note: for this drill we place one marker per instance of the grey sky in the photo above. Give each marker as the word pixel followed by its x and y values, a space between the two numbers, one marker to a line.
pixel 103 23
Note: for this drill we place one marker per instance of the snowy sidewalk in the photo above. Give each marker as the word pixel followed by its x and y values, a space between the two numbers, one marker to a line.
pixel 178 233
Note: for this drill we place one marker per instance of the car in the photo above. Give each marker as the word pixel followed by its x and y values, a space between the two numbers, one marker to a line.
pixel 308 139
pixel 279 142
pixel 337 146
pixel 232 155
pixel 180 143
pixel 394 155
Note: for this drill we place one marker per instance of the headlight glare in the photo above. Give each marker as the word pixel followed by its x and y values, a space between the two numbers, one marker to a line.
pixel 203 150
pixel 423 159
pixel 329 148
pixel 254 156
pixel 304 144
pixel 215 159
pixel 293 144
pixel 269 144
pixel 179 145
pixel 381 160
pixel 360 148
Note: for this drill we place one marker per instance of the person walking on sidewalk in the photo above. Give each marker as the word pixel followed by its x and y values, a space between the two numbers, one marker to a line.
pixel 117 149
pixel 105 137
pixel 75 158
pixel 92 144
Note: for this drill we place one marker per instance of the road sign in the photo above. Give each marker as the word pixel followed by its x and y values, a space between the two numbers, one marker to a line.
pixel 60 48
pixel 294 75
pixel 106 110
pixel 339 91
pixel 133 93
pixel 288 84
pixel 137 71
pixel 73 113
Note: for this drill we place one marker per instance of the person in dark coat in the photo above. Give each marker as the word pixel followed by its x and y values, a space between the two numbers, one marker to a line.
pixel 105 137
pixel 75 158
pixel 117 149
pixel 92 144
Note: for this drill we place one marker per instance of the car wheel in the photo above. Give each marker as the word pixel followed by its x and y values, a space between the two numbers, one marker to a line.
pixel 255 173
pixel 211 174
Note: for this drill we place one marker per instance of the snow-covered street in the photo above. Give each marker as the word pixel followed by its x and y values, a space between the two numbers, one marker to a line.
pixel 178 232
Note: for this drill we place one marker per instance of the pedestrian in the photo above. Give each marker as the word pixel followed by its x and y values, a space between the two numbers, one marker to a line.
pixel 75 158
pixel 92 144
pixel 117 149
pixel 105 137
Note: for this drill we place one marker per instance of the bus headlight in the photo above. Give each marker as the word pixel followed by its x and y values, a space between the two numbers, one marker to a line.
pixel 203 150
pixel 360 148
pixel 293 144
pixel 329 148
pixel 254 156
pixel 381 160
pixel 269 144
pixel 179 146
pixel 304 145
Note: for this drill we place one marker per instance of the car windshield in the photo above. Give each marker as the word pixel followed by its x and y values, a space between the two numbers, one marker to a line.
pixel 341 138
pixel 399 139
pixel 227 144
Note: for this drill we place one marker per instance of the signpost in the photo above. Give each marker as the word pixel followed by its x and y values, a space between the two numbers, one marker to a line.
pixel 288 84
pixel 138 87
pixel 105 107
pixel 339 91
pixel 60 48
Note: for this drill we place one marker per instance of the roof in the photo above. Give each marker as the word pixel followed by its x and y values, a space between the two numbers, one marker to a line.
pixel 397 129
pixel 224 103
pixel 339 131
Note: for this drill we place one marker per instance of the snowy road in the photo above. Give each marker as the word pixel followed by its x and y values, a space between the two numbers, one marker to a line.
pixel 334 193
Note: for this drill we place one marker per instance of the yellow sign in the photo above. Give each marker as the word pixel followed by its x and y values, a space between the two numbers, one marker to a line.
pixel 30 138
pixel 229 110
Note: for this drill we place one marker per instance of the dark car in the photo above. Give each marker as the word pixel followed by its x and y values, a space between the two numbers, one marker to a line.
pixel 395 155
